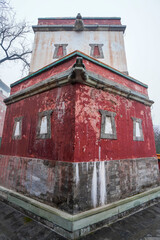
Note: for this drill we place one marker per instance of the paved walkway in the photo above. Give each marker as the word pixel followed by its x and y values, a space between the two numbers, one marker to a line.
pixel 144 225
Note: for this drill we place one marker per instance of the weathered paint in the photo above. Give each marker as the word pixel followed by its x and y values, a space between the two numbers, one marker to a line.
pixel 61 101
pixel 71 21
pixel 94 67
pixel 77 187
pixel 77 106
pixel 88 126
pixel 73 168
pixel 97 69
pixel 113 46
pixel 53 71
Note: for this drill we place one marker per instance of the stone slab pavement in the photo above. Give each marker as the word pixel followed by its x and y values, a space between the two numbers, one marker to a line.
pixel 144 225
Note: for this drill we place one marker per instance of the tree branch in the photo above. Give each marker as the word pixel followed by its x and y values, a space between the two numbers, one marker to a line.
pixel 13 41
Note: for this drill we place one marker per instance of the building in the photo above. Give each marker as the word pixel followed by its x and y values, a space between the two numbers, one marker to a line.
pixel 79 149
pixel 4 92
pixel 4 89
pixel 101 38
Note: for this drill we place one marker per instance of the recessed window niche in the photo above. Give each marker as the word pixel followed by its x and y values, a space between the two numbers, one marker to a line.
pixel 44 124
pixel 96 50
pixel 137 129
pixel 60 50
pixel 17 129
pixel 108 126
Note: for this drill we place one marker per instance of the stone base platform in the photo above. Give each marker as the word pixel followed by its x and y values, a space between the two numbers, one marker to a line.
pixel 76 187
pixel 75 226
pixel 76 198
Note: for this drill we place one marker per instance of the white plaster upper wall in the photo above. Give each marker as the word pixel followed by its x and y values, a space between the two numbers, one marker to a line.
pixel 113 46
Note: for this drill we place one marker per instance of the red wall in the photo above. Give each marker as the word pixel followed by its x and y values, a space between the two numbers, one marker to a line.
pixel 90 66
pixel 97 69
pixel 81 120
pixel 43 75
pixel 83 134
pixel 61 145
pixel 88 144
pixel 62 21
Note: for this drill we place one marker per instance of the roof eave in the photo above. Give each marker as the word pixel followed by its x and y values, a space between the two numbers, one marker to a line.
pixel 94 27
pixel 73 54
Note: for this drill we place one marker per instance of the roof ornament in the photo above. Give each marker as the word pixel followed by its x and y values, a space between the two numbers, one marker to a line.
pixel 78 73
pixel 79 26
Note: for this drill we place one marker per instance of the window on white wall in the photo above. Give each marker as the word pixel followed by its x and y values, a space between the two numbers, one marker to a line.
pixel 44 124
pixel 96 50
pixel 17 129
pixel 108 126
pixel 137 129
pixel 60 50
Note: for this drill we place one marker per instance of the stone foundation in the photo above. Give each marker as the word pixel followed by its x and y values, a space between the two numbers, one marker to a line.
pixel 78 187
pixel 74 226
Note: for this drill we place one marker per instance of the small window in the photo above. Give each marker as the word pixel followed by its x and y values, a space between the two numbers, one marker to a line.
pixel 44 124
pixel 17 129
pixel 96 50
pixel 108 126
pixel 137 129
pixel 60 50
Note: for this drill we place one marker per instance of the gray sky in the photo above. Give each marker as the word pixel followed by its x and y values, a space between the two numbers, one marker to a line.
pixel 142 36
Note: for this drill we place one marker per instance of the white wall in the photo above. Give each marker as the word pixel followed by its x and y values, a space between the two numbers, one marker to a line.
pixel 113 49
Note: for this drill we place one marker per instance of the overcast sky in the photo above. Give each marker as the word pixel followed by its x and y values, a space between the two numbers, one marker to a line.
pixel 142 36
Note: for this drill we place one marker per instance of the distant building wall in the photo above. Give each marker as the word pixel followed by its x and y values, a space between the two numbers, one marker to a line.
pixel 4 92
pixel 2 112
pixel 4 89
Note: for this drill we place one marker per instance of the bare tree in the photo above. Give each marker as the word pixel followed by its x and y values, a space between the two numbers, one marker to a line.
pixel 157 138
pixel 14 45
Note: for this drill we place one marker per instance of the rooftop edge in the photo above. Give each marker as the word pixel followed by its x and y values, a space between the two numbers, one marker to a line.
pixel 81 54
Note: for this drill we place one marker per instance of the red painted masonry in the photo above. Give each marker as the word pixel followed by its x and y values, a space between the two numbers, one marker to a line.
pixel 62 21
pixel 61 145
pixel 88 144
pixel 44 75
pixel 90 66
pixel 76 120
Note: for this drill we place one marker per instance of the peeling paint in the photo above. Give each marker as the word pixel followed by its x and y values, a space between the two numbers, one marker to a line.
pixel 44 42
